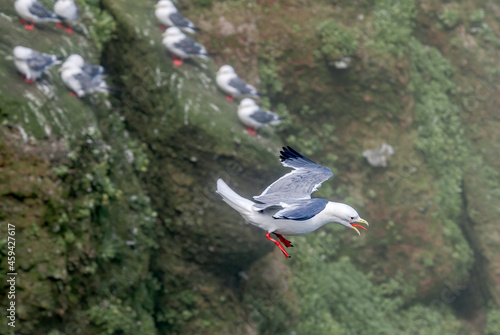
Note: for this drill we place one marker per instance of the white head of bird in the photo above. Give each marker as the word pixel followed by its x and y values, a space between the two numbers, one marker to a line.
pixel 172 31
pixel 345 215
pixel 225 69
pixel 21 52
pixel 165 4
pixel 247 102
pixel 75 60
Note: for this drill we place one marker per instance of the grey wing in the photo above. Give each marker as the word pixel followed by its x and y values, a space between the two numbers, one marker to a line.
pixel 306 178
pixel 93 70
pixel 302 210
pixel 37 9
pixel 191 47
pixel 39 61
pixel 179 20
pixel 262 116
pixel 241 86
pixel 85 81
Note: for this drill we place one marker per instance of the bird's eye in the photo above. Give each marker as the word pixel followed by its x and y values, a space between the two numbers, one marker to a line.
pixel 352 217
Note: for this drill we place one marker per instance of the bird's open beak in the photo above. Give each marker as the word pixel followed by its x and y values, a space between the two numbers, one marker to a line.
pixel 359 226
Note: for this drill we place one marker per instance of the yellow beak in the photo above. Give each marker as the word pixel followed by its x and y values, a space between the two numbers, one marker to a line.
pixel 357 225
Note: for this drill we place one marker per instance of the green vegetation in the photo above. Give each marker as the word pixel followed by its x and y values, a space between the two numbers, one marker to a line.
pixel 336 42
pixel 449 17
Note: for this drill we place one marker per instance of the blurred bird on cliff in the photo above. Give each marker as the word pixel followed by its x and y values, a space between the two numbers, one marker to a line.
pixel 32 11
pixel 31 64
pixel 286 207
pixel 182 47
pixel 96 72
pixel 232 85
pixel 79 81
pixel 253 117
pixel 67 12
pixel 168 16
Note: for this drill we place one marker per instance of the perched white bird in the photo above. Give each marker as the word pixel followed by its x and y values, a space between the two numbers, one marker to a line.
pixel 67 12
pixel 96 72
pixel 181 46
pixel 32 11
pixel 286 207
pixel 232 85
pixel 169 16
pixel 80 82
pixel 253 117
pixel 31 64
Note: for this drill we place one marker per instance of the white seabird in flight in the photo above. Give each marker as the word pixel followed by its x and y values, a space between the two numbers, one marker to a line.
pixel 232 85
pixel 32 11
pixel 68 12
pixel 181 46
pixel 80 82
pixel 286 206
pixel 169 16
pixel 31 64
pixel 253 117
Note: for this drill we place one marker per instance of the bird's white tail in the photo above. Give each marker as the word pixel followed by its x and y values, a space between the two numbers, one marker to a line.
pixel 232 198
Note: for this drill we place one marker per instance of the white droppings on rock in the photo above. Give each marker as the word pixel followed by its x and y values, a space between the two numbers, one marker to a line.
pixel 23 134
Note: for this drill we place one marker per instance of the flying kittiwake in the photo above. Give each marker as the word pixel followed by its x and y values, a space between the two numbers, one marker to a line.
pixel 286 207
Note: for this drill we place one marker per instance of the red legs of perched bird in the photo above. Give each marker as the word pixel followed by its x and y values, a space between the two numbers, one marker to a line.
pixel 28 25
pixel 162 27
pixel 229 98
pixel 29 81
pixel 268 235
pixel 176 60
pixel 284 240
pixel 69 30
pixel 73 94
pixel 251 131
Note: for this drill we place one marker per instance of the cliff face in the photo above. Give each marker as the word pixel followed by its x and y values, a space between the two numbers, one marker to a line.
pixel 118 227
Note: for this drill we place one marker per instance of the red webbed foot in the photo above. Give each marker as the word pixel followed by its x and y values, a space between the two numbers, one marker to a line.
pixel 29 81
pixel 73 94
pixel 229 98
pixel 252 131
pixel 178 62
pixel 284 240
pixel 268 236
pixel 60 25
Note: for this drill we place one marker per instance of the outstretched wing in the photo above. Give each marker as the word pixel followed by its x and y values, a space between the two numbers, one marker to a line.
pixel 302 210
pixel 306 178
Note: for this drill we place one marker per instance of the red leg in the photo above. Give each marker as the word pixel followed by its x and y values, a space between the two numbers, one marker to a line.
pixel 29 81
pixel 229 98
pixel 176 60
pixel 251 131
pixel 284 240
pixel 268 235
pixel 69 30
pixel 162 27
pixel 73 94
pixel 30 26
pixel 60 25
